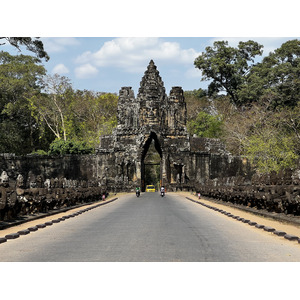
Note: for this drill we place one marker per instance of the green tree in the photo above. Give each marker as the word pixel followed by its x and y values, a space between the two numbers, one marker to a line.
pixel 269 138
pixel 270 151
pixel 289 119
pixel 196 101
pixel 20 79
pixel 94 114
pixel 205 125
pixel 55 106
pixel 77 115
pixel 227 66
pixel 276 80
pixel 34 45
pixel 200 93
pixel 61 147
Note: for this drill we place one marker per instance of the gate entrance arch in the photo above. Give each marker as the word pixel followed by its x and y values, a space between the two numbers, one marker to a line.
pixel 151 167
pixel 150 118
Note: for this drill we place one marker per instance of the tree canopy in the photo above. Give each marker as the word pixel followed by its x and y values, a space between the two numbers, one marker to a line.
pixel 206 125
pixel 21 77
pixel 36 109
pixel 34 45
pixel 276 79
pixel 260 111
pixel 78 115
pixel 227 66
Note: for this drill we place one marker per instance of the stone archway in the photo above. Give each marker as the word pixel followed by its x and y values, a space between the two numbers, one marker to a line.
pixel 151 165
pixel 150 118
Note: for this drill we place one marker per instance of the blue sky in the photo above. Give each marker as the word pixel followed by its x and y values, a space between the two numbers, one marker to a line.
pixel 88 41
pixel 106 64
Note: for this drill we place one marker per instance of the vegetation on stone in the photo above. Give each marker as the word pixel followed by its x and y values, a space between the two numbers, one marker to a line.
pixel 61 147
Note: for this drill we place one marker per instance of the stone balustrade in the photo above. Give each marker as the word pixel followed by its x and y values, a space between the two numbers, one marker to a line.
pixel 40 195
pixel 273 192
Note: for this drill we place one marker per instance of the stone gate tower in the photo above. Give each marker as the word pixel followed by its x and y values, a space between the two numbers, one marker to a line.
pixel 151 116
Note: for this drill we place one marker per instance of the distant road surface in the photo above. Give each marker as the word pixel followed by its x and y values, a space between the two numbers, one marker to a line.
pixel 150 229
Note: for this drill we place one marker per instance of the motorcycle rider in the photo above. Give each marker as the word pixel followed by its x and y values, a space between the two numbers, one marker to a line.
pixel 162 190
pixel 137 191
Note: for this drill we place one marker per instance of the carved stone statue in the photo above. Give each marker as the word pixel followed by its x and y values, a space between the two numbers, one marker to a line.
pixel 4 179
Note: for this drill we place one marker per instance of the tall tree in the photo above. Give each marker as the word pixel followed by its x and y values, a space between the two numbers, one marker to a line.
pixel 227 66
pixel 206 125
pixel 34 45
pixel 20 79
pixel 77 115
pixel 94 114
pixel 276 80
pixel 54 107
pixel 196 101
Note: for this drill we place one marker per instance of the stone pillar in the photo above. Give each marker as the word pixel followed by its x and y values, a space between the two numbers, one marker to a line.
pixel 173 179
pixel 138 173
pixel 164 169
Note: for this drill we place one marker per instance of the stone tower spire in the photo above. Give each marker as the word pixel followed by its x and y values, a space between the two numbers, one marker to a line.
pixel 151 97
pixel 151 85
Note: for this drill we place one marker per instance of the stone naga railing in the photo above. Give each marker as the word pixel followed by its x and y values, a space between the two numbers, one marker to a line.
pixel 278 193
pixel 40 196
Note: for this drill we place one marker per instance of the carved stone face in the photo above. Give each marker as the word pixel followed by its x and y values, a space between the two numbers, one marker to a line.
pixel 32 184
pixel 47 184
pixel 20 181
pixel 39 181
pixel 4 179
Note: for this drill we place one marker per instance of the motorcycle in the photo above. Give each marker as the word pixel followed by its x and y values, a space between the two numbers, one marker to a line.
pixel 137 193
pixel 162 193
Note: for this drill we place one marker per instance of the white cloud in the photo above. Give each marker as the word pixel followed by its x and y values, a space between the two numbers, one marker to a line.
pixel 60 69
pixel 85 71
pixel 193 73
pixel 59 44
pixel 132 54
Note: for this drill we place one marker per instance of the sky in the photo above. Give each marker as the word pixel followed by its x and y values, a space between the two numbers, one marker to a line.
pixel 105 46
pixel 105 64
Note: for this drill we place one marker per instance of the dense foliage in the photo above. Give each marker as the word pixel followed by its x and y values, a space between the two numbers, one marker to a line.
pixel 227 66
pixel 21 78
pixel 205 125
pixel 260 115
pixel 61 147
pixel 36 108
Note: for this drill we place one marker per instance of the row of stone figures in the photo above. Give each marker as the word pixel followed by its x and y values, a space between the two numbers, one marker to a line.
pixel 273 192
pixel 41 195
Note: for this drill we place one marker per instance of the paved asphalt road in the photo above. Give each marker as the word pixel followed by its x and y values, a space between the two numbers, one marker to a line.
pixel 150 228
